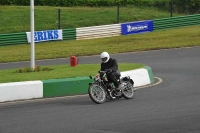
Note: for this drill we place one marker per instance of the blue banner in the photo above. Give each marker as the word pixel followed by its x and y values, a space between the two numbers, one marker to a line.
pixel 137 27
pixel 47 35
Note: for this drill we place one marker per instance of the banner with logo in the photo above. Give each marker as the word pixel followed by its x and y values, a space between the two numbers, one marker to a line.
pixel 47 35
pixel 137 27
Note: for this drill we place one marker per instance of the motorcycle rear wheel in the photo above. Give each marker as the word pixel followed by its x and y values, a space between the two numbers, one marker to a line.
pixel 128 92
pixel 97 93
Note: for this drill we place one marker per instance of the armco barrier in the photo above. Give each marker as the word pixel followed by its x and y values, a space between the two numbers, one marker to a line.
pixel 69 34
pixel 104 30
pixel 98 31
pixel 63 87
pixel 21 38
pixel 174 22
pixel 14 38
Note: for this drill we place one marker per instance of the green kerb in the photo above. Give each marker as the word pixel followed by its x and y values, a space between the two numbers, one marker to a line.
pixel 150 73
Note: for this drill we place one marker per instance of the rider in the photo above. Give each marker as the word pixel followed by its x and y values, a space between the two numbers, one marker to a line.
pixel 110 65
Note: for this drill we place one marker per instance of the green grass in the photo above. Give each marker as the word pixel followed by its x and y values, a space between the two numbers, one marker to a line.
pixel 60 71
pixel 17 18
pixel 174 38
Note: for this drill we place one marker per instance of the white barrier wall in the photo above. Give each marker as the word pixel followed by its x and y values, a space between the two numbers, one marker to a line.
pixel 34 89
pixel 139 76
pixel 98 31
pixel 21 90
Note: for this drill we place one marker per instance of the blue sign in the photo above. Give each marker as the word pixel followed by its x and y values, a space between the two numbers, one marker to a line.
pixel 47 35
pixel 137 27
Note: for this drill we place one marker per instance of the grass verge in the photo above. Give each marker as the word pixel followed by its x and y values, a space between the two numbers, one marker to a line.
pixel 174 38
pixel 60 71
pixel 17 18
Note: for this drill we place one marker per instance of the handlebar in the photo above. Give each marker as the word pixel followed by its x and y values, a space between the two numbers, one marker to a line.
pixel 109 70
pixel 102 71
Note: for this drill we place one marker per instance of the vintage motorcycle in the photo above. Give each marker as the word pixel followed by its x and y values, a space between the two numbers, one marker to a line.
pixel 101 89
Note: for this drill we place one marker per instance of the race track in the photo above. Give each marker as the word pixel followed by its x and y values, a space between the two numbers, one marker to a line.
pixel 172 106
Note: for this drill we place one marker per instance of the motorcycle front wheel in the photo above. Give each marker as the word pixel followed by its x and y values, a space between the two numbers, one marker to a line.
pixel 97 93
pixel 128 91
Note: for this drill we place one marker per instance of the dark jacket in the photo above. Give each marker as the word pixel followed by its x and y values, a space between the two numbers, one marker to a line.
pixel 111 64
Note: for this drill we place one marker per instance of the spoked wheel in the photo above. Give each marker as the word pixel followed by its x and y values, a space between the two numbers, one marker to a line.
pixel 97 93
pixel 128 91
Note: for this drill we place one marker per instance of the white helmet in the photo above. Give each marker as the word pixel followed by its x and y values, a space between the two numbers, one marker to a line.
pixel 105 57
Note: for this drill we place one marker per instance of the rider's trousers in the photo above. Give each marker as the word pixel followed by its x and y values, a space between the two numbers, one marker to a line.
pixel 113 77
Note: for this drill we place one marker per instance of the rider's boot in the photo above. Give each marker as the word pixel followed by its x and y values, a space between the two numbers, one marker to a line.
pixel 120 87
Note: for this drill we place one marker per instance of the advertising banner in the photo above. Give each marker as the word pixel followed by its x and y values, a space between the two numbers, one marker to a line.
pixel 47 35
pixel 137 27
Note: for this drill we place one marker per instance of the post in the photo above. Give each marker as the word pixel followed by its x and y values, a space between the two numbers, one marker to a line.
pixel 58 18
pixel 171 8
pixel 32 35
pixel 117 13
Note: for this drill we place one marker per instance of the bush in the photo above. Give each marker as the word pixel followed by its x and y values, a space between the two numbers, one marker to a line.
pixel 36 69
pixel 188 5
pixel 77 2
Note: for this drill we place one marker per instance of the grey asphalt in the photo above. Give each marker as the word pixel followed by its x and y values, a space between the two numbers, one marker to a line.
pixel 170 107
